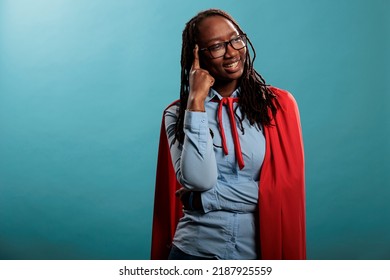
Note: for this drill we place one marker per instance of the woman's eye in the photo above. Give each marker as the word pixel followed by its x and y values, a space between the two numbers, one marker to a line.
pixel 236 40
pixel 215 47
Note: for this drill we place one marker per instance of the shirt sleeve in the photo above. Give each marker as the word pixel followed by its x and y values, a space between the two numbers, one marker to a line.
pixel 242 198
pixel 194 160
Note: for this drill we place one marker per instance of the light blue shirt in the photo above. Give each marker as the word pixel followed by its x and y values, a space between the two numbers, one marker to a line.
pixel 227 228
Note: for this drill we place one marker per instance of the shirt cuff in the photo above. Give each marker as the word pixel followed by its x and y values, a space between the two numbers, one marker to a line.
pixel 195 121
pixel 196 127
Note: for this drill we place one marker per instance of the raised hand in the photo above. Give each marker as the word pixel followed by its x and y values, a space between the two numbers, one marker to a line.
pixel 200 83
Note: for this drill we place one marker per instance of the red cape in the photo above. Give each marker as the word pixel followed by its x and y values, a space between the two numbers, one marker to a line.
pixel 282 233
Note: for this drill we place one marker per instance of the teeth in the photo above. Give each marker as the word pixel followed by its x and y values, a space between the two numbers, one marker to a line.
pixel 234 64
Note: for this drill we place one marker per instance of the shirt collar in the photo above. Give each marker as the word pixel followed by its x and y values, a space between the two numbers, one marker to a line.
pixel 214 94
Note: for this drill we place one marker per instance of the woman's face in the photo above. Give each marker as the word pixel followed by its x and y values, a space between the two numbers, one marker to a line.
pixel 228 68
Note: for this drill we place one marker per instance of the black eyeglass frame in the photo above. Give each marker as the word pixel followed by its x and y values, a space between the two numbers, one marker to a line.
pixel 243 37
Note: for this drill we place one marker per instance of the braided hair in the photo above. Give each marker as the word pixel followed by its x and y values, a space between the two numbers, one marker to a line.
pixel 255 98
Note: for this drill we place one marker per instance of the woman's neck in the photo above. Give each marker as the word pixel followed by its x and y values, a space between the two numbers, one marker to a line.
pixel 225 89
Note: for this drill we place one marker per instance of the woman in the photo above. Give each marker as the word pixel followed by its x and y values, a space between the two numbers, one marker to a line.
pixel 230 156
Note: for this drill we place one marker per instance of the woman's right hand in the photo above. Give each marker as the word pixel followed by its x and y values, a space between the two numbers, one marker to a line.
pixel 200 83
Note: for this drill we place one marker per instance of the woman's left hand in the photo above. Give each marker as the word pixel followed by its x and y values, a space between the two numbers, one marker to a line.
pixel 185 198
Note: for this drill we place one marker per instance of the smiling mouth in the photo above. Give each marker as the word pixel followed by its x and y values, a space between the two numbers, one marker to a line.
pixel 232 65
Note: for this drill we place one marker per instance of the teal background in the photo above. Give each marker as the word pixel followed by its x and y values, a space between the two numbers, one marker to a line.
pixel 82 89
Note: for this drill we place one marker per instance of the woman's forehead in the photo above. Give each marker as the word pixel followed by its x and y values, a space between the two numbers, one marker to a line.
pixel 215 27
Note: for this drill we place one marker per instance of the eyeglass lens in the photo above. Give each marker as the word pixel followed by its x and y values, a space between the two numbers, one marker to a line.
pixel 219 50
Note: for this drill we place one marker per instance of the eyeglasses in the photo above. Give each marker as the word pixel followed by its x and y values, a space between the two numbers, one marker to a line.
pixel 219 50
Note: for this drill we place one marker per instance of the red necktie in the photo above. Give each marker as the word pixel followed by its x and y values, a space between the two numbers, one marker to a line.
pixel 237 147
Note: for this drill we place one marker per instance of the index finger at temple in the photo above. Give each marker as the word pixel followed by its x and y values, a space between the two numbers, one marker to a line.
pixel 195 64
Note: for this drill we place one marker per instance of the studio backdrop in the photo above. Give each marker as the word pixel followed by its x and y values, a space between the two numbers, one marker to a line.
pixel 83 85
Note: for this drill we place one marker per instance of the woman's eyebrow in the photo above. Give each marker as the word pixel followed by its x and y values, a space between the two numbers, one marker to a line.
pixel 218 38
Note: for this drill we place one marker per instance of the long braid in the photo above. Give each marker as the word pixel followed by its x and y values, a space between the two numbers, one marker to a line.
pixel 255 98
